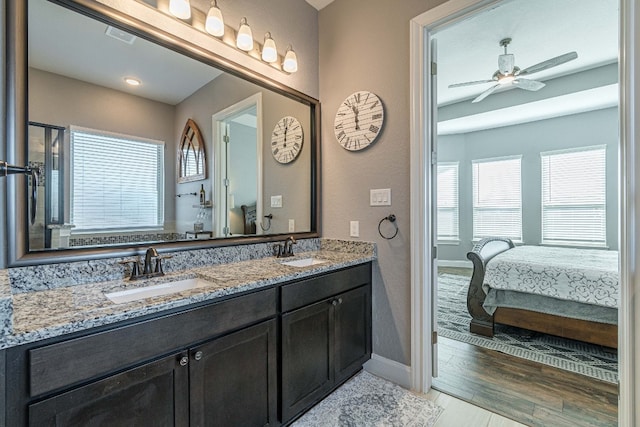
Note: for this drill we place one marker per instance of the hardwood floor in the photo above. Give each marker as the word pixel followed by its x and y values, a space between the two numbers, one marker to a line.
pixel 525 391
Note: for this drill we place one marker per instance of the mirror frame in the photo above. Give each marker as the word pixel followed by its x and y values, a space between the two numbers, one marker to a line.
pixel 16 131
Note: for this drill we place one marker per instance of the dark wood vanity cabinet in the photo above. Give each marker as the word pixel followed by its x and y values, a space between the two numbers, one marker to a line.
pixel 154 394
pixel 212 364
pixel 197 367
pixel 326 335
pixel 227 381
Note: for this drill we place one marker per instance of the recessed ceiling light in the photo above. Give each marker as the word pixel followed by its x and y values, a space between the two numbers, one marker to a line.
pixel 132 81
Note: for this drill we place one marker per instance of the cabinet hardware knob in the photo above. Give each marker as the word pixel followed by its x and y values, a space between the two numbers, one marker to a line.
pixel 184 360
pixel 334 302
pixel 339 300
pixel 198 355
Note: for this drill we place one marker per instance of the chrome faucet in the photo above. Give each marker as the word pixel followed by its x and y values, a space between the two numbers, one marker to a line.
pixel 286 249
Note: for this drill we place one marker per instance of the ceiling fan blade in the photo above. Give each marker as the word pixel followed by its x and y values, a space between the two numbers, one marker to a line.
pixel 549 63
pixel 527 84
pixel 506 63
pixel 476 82
pixel 486 93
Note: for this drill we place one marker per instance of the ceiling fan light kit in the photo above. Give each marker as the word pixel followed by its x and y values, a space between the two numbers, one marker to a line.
pixel 508 74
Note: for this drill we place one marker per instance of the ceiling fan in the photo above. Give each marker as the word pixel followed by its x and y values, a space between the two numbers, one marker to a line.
pixel 510 75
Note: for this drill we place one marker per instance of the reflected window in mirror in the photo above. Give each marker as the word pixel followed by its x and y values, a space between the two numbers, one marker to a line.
pixel 118 181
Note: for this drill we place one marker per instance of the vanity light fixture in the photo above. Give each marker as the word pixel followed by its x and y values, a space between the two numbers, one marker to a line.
pixel 290 63
pixel 214 23
pixel 180 8
pixel 269 50
pixel 132 81
pixel 244 40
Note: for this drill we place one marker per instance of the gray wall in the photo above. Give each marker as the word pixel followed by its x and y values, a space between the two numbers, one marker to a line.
pixel 292 180
pixel 63 101
pixel 364 45
pixel 530 139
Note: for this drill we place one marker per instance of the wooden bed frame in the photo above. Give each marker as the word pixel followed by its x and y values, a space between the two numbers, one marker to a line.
pixel 483 323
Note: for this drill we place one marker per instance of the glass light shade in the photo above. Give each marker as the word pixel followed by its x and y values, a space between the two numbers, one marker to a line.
pixel 214 23
pixel 180 8
pixel 290 63
pixel 244 40
pixel 269 51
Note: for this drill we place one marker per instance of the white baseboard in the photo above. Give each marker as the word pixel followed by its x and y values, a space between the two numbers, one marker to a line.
pixel 389 370
pixel 455 263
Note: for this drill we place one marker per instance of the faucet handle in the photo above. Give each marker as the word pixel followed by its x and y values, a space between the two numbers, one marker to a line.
pixel 159 259
pixel 135 266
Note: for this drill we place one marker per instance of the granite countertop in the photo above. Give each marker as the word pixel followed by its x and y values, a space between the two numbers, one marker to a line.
pixel 48 313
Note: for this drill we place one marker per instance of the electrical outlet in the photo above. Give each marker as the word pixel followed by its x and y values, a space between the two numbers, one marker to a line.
pixel 354 229
pixel 292 225
pixel 380 197
pixel 276 201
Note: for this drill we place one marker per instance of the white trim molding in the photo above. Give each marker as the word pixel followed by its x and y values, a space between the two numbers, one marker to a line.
pixel 389 369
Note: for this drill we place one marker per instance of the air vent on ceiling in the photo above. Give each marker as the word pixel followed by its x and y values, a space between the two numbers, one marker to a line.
pixel 117 34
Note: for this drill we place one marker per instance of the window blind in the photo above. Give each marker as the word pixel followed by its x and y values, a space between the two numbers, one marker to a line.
pixel 497 198
pixel 574 196
pixel 117 181
pixel 447 199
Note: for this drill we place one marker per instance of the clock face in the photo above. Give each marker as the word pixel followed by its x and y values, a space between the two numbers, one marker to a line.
pixel 286 139
pixel 359 120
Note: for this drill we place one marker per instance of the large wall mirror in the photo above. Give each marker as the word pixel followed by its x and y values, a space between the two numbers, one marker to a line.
pixel 102 106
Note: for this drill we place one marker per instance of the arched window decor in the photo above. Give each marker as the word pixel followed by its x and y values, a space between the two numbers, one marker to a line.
pixel 192 160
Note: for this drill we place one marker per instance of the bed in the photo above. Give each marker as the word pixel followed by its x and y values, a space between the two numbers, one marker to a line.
pixel 572 293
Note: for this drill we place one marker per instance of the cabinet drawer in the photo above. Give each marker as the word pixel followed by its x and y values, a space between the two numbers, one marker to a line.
pixel 309 291
pixel 77 360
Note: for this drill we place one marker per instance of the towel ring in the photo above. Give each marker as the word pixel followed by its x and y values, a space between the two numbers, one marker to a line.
pixel 392 219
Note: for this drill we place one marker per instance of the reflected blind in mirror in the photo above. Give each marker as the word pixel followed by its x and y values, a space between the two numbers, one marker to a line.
pixel 447 189
pixel 117 181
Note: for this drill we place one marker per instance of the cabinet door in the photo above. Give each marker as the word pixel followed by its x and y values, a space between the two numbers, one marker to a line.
pixel 234 379
pixel 307 362
pixel 352 332
pixel 155 394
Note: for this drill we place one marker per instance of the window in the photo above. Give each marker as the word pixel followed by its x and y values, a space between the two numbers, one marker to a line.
pixel 448 201
pixel 574 196
pixel 497 200
pixel 117 181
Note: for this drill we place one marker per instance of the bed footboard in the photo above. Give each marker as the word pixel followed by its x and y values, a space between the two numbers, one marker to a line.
pixel 482 252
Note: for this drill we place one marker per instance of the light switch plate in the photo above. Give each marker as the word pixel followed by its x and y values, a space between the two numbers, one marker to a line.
pixel 354 228
pixel 380 197
pixel 292 225
pixel 276 201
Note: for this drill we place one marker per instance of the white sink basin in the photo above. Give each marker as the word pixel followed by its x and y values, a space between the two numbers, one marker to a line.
pixel 304 262
pixel 155 290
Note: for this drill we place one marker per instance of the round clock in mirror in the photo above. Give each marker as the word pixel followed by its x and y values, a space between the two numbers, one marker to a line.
pixel 359 120
pixel 286 139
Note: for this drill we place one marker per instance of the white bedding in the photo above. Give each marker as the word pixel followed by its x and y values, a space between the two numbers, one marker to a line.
pixel 582 275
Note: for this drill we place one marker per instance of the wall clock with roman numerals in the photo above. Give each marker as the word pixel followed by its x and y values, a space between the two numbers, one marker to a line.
pixel 286 139
pixel 359 120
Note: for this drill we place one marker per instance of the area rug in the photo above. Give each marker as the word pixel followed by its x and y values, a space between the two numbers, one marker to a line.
pixel 575 356
pixel 366 400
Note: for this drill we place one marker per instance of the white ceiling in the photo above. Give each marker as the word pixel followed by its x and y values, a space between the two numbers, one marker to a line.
pixel 541 29
pixel 319 4
pixel 70 44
